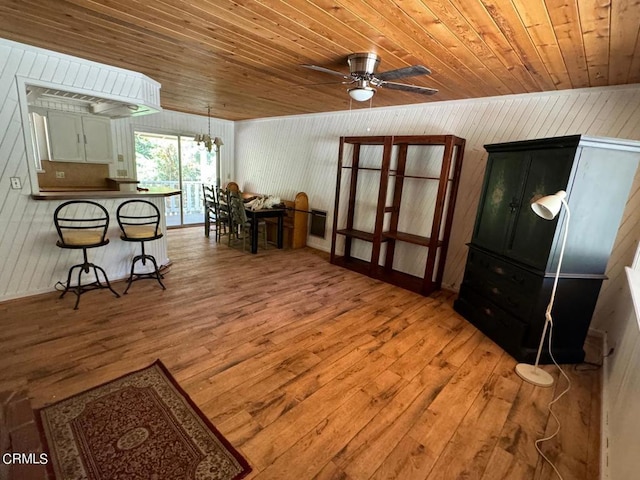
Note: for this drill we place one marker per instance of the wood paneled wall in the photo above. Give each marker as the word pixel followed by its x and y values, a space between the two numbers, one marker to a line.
pixel 299 153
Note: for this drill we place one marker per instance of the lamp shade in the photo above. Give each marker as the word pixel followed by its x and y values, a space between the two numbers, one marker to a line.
pixel 361 94
pixel 548 207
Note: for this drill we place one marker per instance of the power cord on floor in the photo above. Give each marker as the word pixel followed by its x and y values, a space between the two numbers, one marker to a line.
pixel 551 403
pixel 592 366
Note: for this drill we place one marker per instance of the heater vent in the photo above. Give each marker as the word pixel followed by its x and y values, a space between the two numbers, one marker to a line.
pixel 318 223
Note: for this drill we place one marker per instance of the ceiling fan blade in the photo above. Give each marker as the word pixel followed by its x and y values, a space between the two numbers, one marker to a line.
pixel 335 82
pixel 408 88
pixel 326 70
pixel 403 72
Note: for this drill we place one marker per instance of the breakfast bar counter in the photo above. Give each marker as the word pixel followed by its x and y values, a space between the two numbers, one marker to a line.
pixel 115 257
pixel 76 194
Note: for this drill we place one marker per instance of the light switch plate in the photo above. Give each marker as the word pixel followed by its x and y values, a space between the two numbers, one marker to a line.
pixel 15 183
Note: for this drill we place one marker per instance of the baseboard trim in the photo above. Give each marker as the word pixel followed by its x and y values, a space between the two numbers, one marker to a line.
pixel 604 405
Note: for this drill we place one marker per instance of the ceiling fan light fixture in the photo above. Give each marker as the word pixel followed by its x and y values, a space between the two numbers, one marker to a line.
pixel 362 92
pixel 363 76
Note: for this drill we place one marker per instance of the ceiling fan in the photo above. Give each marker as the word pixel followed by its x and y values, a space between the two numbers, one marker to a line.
pixel 362 68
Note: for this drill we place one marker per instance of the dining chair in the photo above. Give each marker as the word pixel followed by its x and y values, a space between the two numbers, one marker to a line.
pixel 240 224
pixel 223 219
pixel 209 203
pixel 216 211
pixel 232 187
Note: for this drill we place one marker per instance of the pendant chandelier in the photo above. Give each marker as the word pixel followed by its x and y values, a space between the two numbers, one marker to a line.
pixel 205 138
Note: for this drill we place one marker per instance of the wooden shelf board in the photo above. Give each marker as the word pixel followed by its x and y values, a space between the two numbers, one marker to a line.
pixel 359 234
pixel 405 139
pixel 371 169
pixel 419 177
pixel 394 277
pixel 366 140
pixel 410 238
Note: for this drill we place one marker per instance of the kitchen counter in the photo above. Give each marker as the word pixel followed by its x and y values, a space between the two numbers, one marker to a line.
pixel 73 194
pixel 116 257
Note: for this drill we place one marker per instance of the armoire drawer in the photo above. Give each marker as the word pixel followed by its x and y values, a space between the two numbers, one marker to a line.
pixel 499 325
pixel 506 285
pixel 499 292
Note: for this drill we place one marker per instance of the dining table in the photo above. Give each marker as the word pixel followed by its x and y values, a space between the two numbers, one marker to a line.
pixel 254 217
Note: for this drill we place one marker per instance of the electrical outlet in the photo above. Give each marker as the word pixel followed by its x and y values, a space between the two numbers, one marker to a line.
pixel 59 174
pixel 120 157
pixel 15 183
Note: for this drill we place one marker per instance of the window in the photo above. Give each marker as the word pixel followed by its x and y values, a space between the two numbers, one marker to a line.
pixel 175 161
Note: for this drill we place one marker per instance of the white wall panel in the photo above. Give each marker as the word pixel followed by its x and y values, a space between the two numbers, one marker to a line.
pixel 621 418
pixel 29 261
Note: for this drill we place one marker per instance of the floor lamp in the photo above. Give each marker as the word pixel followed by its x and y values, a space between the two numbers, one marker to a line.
pixel 546 207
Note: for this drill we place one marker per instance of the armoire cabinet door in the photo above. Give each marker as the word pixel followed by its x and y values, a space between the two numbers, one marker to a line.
pixel 501 199
pixel 531 238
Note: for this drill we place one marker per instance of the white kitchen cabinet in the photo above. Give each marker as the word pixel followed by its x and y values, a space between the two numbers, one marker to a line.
pixel 79 138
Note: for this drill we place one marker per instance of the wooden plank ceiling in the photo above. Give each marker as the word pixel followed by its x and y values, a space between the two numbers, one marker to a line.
pixel 243 57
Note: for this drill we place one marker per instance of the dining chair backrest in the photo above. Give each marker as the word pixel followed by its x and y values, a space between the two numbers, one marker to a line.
pixel 238 213
pixel 208 195
pixel 222 196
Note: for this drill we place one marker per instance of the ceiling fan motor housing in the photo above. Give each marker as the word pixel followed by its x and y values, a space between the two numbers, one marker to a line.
pixel 363 64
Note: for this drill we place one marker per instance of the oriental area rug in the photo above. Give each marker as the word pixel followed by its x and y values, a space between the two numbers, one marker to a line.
pixel 141 426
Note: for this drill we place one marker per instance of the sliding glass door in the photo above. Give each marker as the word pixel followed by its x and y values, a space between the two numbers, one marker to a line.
pixel 175 161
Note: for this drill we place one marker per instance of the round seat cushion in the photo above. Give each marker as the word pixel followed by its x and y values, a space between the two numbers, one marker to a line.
pixel 82 237
pixel 139 231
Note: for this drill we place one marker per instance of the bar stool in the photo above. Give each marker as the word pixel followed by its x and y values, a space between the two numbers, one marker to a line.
pixel 82 224
pixel 139 221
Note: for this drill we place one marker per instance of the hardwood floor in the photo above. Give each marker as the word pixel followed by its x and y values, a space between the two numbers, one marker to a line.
pixel 310 370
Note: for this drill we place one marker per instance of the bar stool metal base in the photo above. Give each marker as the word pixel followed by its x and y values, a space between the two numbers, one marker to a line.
pixel 80 288
pixel 155 274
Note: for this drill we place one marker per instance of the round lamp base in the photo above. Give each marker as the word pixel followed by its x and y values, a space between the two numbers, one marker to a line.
pixel 534 375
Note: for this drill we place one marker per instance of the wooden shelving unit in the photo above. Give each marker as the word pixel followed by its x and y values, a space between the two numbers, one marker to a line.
pixel 382 227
